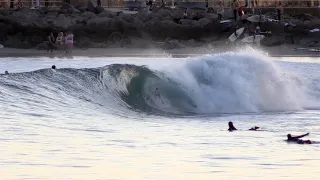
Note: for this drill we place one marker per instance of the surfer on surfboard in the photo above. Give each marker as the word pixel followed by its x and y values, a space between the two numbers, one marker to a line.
pixel 297 139
pixel 155 93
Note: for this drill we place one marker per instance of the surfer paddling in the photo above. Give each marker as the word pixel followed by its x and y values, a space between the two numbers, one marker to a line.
pixel 254 128
pixel 297 139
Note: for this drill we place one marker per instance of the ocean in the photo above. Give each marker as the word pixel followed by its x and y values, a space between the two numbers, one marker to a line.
pixel 100 118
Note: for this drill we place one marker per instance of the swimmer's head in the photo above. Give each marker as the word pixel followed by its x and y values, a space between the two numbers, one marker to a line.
pixel 53 67
pixel 289 136
pixel 230 124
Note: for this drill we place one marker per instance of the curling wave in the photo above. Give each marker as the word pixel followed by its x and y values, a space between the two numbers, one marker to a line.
pixel 221 83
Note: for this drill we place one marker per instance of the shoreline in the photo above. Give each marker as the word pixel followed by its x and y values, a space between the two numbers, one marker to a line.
pixel 281 51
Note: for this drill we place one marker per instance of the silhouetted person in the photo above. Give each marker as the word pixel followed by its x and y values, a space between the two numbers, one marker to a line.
pixel 11 4
pixel 231 126
pixel 6 72
pixel 51 43
pixel 53 67
pixel 254 128
pixel 99 3
pixel 298 140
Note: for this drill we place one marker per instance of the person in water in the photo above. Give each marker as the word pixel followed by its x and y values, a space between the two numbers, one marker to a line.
pixel 297 139
pixel 155 93
pixel 6 72
pixel 254 128
pixel 53 66
pixel 231 126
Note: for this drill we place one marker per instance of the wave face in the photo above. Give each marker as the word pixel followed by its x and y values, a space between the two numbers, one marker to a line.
pixel 212 84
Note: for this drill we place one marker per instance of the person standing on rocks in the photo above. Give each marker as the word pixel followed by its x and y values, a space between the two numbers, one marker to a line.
pixel 234 6
pixel 279 10
pixel 51 43
pixel 69 39
pixel 59 41
pixel 99 3
pixel 220 10
pixel 185 14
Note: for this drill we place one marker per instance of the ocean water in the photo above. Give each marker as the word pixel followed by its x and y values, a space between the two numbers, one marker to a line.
pixel 99 118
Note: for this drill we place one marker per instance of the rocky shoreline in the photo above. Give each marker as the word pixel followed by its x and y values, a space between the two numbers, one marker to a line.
pixel 165 28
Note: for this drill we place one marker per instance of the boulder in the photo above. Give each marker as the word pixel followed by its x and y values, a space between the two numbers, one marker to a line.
pixel 91 7
pixel 88 15
pixel 81 8
pixel 144 16
pixel 101 28
pixel 84 42
pixel 99 9
pixel 42 46
pixel 69 8
pixel 127 18
pixel 204 22
pixel 12 42
pixel 35 40
pixel 115 37
pixel 177 15
pixel 64 22
pixel 188 22
pixel 272 41
pixel 107 14
pixel 4 12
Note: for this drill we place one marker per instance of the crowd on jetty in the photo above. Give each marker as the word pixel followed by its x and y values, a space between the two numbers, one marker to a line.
pixel 63 42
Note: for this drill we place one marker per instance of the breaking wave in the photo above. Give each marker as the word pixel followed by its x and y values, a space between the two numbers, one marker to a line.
pixel 211 84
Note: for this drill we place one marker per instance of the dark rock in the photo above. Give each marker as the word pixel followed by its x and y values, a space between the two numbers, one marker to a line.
pixel 203 22
pixel 107 14
pixel 115 37
pixel 4 12
pixel 90 7
pixel 106 25
pixel 138 23
pixel 25 45
pixel 35 40
pixel 81 8
pixel 99 9
pixel 188 22
pixel 313 40
pixel 42 46
pixel 12 42
pixel 127 18
pixel 88 15
pixel 70 9
pixel 288 39
pixel 144 16
pixel 84 42
pixel 272 41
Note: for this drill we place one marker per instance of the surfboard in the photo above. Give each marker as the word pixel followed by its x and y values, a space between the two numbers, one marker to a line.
pixel 272 20
pixel 313 50
pixel 233 37
pixel 251 39
pixel 226 21
pixel 256 18
pixel 1 46
pixel 298 49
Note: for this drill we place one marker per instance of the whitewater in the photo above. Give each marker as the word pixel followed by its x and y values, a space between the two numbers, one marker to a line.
pixel 159 118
